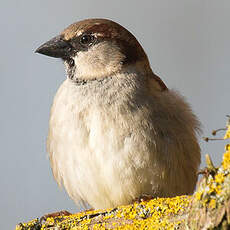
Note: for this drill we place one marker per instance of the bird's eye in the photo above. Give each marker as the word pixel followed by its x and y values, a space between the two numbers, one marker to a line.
pixel 86 39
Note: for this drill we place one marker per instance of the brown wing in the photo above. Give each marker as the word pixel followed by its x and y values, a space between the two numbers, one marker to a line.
pixel 157 83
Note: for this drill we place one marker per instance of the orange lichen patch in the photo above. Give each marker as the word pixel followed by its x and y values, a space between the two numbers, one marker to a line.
pixel 156 213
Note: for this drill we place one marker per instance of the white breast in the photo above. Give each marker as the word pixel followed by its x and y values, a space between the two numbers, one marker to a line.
pixel 106 150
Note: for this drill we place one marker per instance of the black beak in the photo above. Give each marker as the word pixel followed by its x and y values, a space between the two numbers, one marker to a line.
pixel 56 47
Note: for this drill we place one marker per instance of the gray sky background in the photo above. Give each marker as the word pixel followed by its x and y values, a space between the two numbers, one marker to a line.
pixel 187 42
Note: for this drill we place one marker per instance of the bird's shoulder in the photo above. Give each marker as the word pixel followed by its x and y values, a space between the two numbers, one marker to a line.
pixel 155 83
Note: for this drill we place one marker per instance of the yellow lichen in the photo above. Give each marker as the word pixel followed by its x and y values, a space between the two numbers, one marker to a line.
pixel 226 160
pixel 212 203
pixel 154 214
pixel 227 134
pixel 227 147
pixel 219 178
pixel 213 186
pixel 198 195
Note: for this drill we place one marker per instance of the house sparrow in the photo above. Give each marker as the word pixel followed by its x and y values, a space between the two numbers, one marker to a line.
pixel 116 132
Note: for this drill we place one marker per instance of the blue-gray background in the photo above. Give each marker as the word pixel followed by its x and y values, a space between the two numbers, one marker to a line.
pixel 188 44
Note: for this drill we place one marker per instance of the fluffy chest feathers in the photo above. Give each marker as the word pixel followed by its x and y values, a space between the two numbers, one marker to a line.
pixel 107 144
pixel 98 115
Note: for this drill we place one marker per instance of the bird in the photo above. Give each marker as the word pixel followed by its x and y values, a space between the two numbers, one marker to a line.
pixel 116 131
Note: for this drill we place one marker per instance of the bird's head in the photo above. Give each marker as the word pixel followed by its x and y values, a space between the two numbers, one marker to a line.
pixel 96 48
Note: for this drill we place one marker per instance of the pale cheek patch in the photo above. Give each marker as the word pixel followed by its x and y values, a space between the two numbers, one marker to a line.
pixel 99 61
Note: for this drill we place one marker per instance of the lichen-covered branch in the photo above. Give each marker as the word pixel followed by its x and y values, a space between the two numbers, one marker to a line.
pixel 210 208
pixel 161 212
